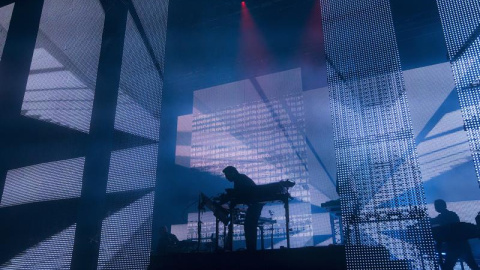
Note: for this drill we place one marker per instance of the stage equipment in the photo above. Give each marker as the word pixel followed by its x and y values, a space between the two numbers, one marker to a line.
pixel 257 194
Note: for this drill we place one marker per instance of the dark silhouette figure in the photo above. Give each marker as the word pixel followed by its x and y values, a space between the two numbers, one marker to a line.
pixel 455 249
pixel 167 242
pixel 242 184
pixel 477 220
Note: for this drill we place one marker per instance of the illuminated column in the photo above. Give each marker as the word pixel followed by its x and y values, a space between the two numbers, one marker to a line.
pixel 382 196
pixel 461 26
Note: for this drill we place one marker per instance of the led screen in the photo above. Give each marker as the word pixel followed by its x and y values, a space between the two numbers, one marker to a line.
pixel 43 188
pixel 323 93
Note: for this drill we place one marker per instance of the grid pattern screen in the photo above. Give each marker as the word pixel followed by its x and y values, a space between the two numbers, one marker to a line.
pixel 43 187
pixel 382 198
pixel 5 16
pixel 460 21
pixel 59 97
pixel 126 234
pixel 61 84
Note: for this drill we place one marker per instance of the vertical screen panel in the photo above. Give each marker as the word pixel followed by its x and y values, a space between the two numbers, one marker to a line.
pixel 461 26
pixel 445 158
pixel 382 197
pixel 5 16
pixel 42 188
pixel 127 230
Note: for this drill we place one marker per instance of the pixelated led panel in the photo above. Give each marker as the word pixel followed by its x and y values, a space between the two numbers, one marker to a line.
pixel 60 91
pixel 52 253
pixel 57 180
pixel 264 140
pixel 129 165
pixel 63 72
pixel 5 16
pixel 126 235
pixel 125 239
pixel 461 26
pixel 382 197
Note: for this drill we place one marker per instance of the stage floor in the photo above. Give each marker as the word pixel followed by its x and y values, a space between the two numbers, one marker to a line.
pixel 331 257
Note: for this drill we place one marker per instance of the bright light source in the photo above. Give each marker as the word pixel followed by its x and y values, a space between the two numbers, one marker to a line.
pixel 243 3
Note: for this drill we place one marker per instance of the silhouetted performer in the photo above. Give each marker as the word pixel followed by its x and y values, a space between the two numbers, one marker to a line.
pixel 477 220
pixel 167 242
pixel 457 248
pixel 242 184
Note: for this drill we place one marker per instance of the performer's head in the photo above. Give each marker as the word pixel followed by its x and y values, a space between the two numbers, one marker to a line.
pixel 440 205
pixel 230 173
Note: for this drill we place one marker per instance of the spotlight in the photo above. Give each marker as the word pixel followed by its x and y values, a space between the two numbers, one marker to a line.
pixel 244 4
